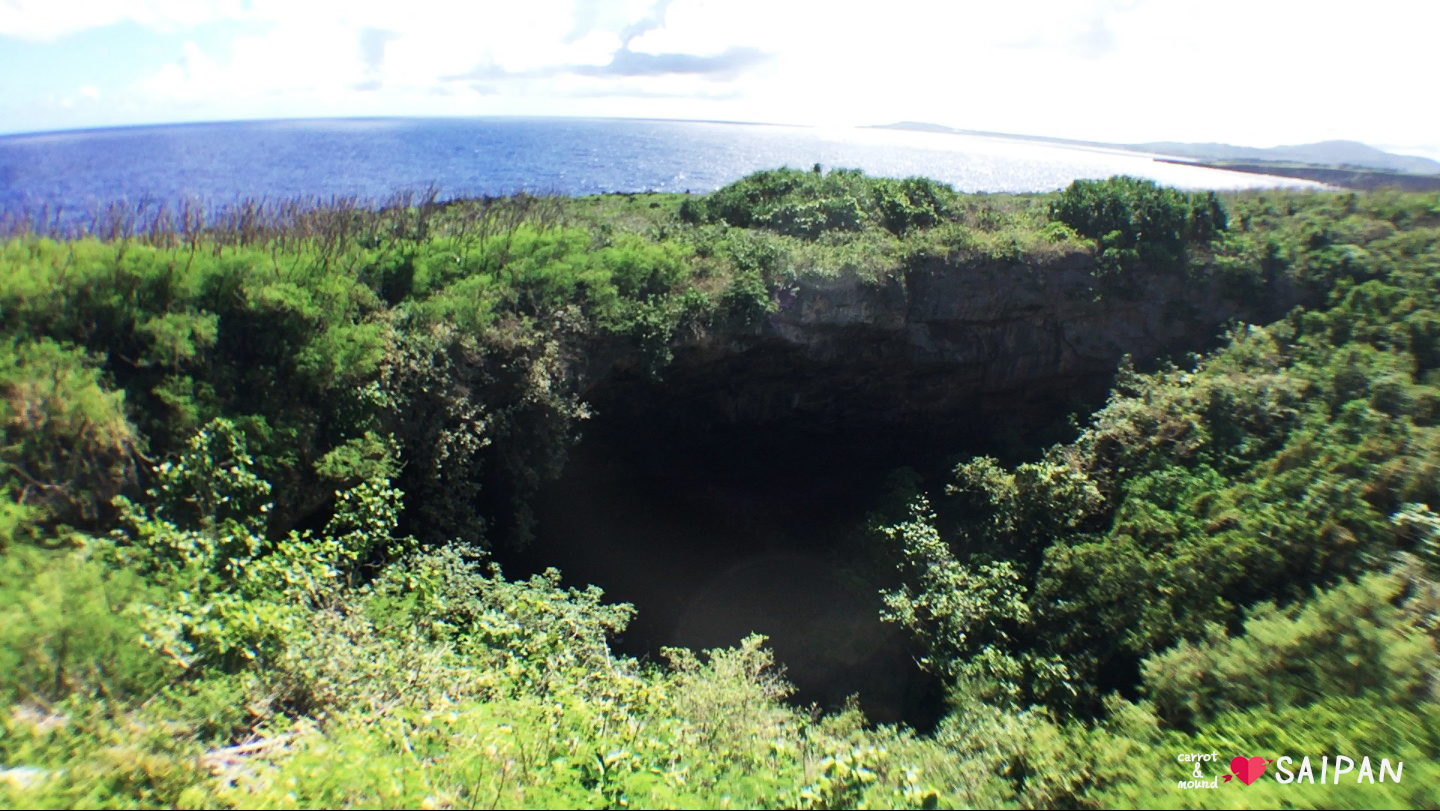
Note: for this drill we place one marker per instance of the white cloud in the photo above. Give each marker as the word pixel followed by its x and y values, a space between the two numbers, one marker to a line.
pixel 51 19
pixel 1237 70
pixel 705 29
pixel 594 48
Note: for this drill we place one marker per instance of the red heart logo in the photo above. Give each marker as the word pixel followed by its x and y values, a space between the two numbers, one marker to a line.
pixel 1248 770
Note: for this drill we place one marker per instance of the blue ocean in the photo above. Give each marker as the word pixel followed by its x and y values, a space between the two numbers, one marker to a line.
pixel 374 159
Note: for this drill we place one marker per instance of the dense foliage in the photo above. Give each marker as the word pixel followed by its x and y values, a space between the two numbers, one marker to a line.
pixel 1137 221
pixel 250 474
pixel 808 204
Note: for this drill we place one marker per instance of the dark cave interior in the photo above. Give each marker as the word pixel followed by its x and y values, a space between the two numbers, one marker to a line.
pixel 716 525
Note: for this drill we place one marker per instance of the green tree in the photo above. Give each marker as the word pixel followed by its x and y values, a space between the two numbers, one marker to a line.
pixel 1136 221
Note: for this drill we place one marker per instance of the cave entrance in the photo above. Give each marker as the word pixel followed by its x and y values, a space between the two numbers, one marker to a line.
pixel 721 502
pixel 715 528
pixel 730 497
pixel 716 534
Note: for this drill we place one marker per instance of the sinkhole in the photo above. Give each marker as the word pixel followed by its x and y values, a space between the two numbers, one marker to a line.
pixel 728 496
pixel 721 504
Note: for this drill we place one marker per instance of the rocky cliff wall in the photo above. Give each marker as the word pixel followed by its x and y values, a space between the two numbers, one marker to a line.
pixel 943 349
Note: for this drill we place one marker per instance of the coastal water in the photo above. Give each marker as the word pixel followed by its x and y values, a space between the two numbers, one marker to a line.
pixel 217 164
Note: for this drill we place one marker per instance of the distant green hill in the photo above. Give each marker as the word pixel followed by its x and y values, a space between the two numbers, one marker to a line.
pixel 1324 153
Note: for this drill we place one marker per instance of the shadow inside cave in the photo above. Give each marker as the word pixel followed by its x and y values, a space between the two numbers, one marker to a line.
pixel 719 531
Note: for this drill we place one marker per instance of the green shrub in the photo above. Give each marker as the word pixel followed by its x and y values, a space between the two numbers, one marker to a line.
pixel 810 204
pixel 68 624
pixel 1351 640
pixel 65 443
pixel 1136 221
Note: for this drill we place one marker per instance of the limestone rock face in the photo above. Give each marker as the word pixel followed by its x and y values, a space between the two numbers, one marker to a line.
pixel 942 349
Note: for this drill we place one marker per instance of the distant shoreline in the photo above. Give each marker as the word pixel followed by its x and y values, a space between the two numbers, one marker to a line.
pixel 1344 164
pixel 1356 179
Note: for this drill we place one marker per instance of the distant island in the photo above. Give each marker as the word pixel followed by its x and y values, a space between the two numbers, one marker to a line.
pixel 1349 164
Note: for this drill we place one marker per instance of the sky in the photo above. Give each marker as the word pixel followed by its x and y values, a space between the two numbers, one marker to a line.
pixel 1250 72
